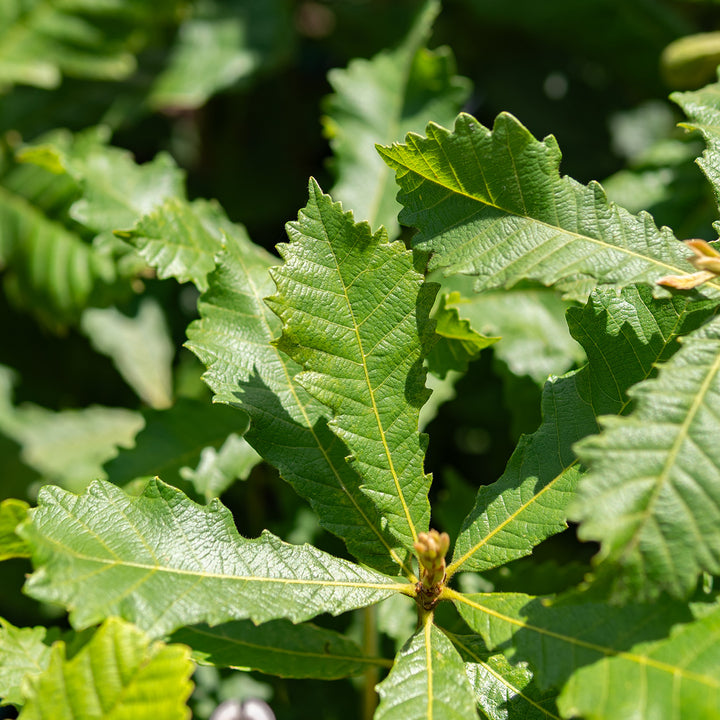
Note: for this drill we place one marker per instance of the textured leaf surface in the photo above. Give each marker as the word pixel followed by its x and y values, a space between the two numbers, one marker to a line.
pixel 503 691
pixel 22 652
pixel 652 496
pixel 277 648
pixel 492 204
pixel 173 439
pixel 12 513
pixel 595 643
pixel 378 101
pixel 427 681
pixel 703 110
pixel 221 43
pixel 181 240
pixel 624 335
pixel 288 427
pixel 140 347
pixel 355 316
pixel 118 674
pixel 163 562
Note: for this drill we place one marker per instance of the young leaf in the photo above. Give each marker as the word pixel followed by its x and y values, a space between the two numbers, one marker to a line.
pixel 652 496
pixel 589 642
pixel 378 101
pixel 23 652
pixel 624 335
pixel 117 674
pixel 492 204
pixel 503 691
pixel 427 680
pixel 287 426
pixel 355 316
pixel 162 562
pixel 278 648
pixel 12 513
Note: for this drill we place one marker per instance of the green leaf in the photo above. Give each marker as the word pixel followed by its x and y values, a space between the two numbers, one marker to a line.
pixel 624 335
pixel 220 44
pixel 427 680
pixel 591 644
pixel 652 494
pixel 355 316
pixel 12 513
pixel 278 648
pixel 23 652
pixel 181 240
pixel 219 469
pixel 175 438
pixel 703 109
pixel 457 344
pixel 140 347
pixel 503 690
pixel 116 675
pixel 288 427
pixel 492 204
pixel 162 562
pixel 530 321
pixel 378 101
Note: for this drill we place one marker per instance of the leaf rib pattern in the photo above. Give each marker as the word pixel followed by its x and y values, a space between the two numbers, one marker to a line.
pixel 163 562
pixel 493 204
pixel 624 334
pixel 652 496
pixel 357 320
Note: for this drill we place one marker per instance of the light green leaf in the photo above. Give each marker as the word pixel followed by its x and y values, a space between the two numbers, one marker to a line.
pixel 492 204
pixel 355 316
pixel 503 691
pixel 278 648
pixel 652 495
pixel 288 427
pixel 378 101
pixel 23 652
pixel 164 562
pixel 12 513
pixel 221 43
pixel 458 343
pixel 592 644
pixel 427 681
pixel 624 335
pixel 530 321
pixel 67 447
pixel 219 469
pixel 175 438
pixel 703 109
pixel 141 348
pixel 118 674
pixel 181 240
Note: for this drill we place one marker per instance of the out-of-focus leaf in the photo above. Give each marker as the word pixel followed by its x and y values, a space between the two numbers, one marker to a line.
pixel 221 43
pixel 219 469
pixel 23 652
pixel 140 347
pixel 164 562
pixel 692 60
pixel 458 343
pixel 356 317
pixel 427 681
pixel 174 438
pixel 117 674
pixel 12 513
pixel 278 648
pixel 378 101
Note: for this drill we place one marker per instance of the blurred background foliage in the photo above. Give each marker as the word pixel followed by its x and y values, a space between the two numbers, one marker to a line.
pixel 230 100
